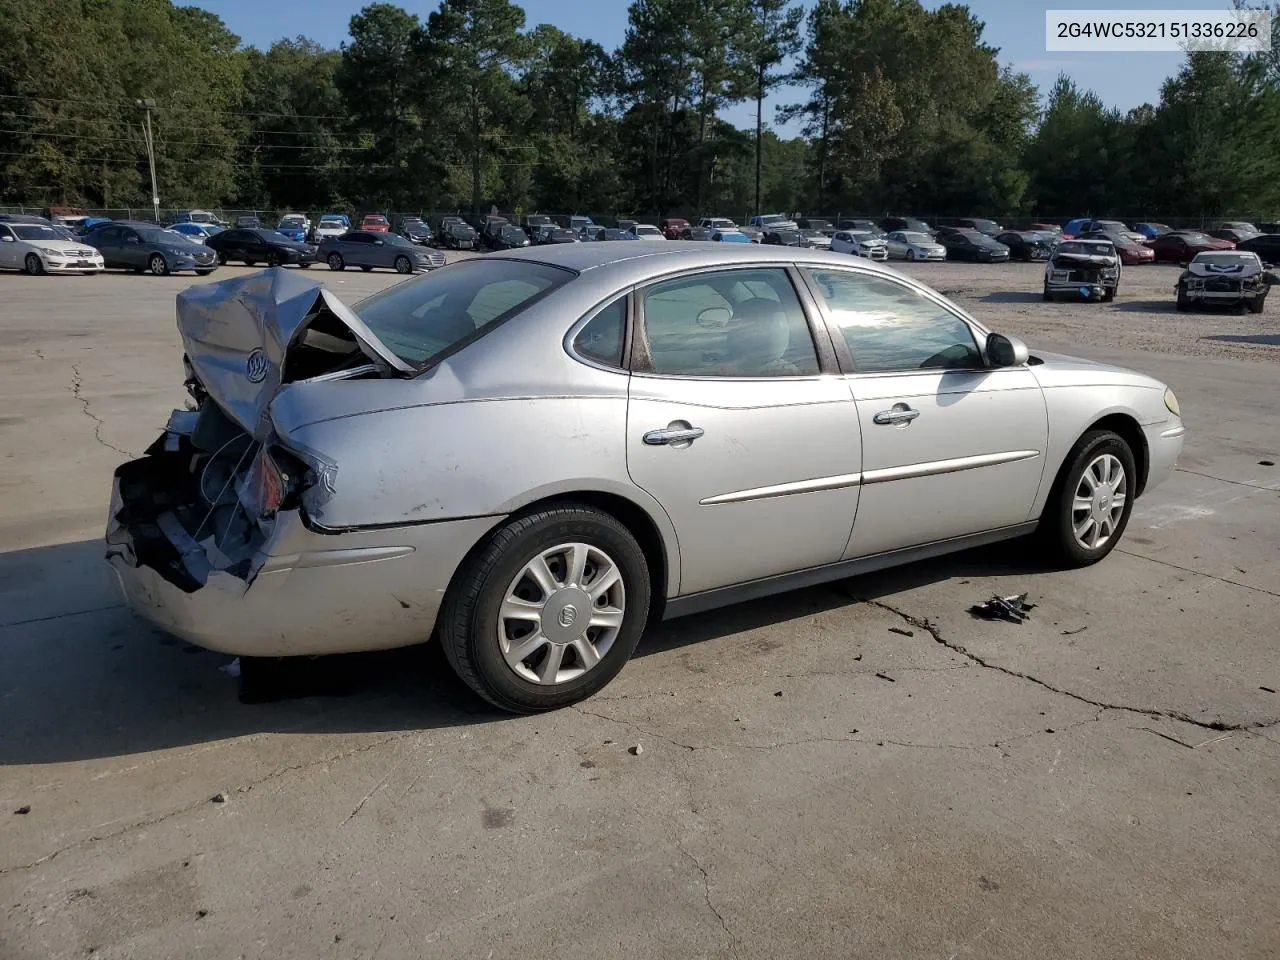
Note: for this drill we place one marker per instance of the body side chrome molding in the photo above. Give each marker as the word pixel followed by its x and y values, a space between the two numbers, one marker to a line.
pixel 932 468
pixel 786 489
pixel 768 586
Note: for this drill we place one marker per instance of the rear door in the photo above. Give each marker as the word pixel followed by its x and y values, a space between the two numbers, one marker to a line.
pixel 739 426
pixel 950 446
pixel 9 259
pixel 357 249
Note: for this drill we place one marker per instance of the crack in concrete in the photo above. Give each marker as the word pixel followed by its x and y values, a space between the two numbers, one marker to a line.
pixel 1198 573
pixel 98 422
pixel 932 629
pixel 1238 483
pixel 195 805
pixel 706 896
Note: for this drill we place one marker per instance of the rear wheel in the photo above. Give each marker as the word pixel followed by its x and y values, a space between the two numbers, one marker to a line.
pixel 222 257
pixel 366 269
pixel 158 265
pixel 33 264
pixel 273 260
pixel 548 610
pixel 1091 500
pixel 1184 303
pixel 203 273
pixel 251 263
pixel 336 262
pixel 403 265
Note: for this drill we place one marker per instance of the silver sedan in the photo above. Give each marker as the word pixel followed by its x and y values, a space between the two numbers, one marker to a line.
pixel 534 454
pixel 911 245
pixel 370 249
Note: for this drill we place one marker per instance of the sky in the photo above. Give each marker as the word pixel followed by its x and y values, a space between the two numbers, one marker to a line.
pixel 1016 27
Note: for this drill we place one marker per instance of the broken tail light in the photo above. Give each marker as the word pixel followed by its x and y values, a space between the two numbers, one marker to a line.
pixel 264 487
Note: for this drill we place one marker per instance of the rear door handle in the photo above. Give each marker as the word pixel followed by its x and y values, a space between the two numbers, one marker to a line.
pixel 899 414
pixel 657 438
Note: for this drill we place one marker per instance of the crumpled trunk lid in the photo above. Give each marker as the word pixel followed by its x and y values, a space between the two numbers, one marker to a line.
pixel 240 334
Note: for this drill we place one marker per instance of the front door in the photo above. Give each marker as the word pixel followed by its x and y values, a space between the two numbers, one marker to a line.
pixel 131 252
pixel 733 426
pixel 950 446
pixel 9 259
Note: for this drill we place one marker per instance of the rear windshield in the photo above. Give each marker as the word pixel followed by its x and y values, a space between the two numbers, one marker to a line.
pixel 423 320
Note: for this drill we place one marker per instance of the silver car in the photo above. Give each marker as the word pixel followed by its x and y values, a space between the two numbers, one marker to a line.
pixel 912 245
pixel 370 249
pixel 534 454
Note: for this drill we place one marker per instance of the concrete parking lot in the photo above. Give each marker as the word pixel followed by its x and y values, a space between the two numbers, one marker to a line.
pixel 860 770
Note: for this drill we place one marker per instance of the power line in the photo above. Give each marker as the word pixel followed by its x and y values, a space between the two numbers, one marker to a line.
pixel 178 143
pixel 9 114
pixel 128 104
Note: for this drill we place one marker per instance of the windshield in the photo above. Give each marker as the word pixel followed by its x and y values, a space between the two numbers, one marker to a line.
pixel 333 224
pixel 773 218
pixel 424 319
pixel 813 233
pixel 643 231
pixel 1087 248
pixel 375 219
pixel 460 230
pixel 911 236
pixel 34 231
pixel 292 222
pixel 513 233
pixel 1229 259
pixel 1193 237
pixel 162 236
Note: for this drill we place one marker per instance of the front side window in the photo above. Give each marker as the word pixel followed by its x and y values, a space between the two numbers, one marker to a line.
pixel 425 319
pixel 602 337
pixel 892 328
pixel 735 323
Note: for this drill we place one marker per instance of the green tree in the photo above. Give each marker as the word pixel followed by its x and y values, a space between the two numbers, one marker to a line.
pixel 774 36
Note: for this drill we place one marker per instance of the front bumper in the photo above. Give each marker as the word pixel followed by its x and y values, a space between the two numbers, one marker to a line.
pixel 78 265
pixel 313 594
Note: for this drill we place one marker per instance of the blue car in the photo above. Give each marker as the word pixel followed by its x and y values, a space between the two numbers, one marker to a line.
pixel 199 232
pixel 294 226
pixel 1152 230
pixel 730 236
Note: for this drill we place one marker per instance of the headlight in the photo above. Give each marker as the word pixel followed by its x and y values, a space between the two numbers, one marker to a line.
pixel 50 252
pixel 1171 402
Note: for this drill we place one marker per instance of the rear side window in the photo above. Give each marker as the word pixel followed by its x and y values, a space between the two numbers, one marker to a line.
pixel 892 328
pixel 601 338
pixel 424 320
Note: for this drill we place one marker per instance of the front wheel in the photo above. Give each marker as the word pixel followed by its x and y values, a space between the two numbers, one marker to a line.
pixel 1091 500
pixel 222 257
pixel 911 254
pixel 335 262
pixel 548 610
pixel 34 265
pixel 251 263
pixel 203 273
pixel 403 265
pixel 1109 294
pixel 1257 303
pixel 305 265
pixel 367 269
pixel 1047 295
pixel 158 265
pixel 1184 302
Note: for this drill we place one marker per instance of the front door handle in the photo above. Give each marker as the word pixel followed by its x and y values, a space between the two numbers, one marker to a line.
pixel 899 414
pixel 657 438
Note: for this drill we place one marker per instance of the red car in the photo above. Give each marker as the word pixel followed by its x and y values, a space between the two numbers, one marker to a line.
pixel 1131 252
pixel 374 223
pixel 673 227
pixel 1181 245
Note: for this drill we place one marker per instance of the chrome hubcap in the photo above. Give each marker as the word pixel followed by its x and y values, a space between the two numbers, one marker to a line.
pixel 1099 501
pixel 561 614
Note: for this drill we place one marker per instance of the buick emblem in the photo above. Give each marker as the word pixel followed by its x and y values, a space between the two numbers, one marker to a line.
pixel 568 615
pixel 257 366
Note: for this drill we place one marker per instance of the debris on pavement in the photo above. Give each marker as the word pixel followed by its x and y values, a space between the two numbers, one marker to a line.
pixel 1013 609
pixel 1268 689
pixel 777 693
pixel 23 810
pixel 636 750
pixel 883 676
pixel 231 669
pixel 901 632
pixel 218 798
pixel 1072 633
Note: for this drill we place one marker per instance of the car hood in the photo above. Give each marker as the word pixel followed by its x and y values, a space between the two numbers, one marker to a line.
pixel 1083 260
pixel 236 334
pixel 1059 369
pixel 1217 269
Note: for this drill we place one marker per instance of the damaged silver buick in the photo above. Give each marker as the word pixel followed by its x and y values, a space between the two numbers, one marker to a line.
pixel 531 455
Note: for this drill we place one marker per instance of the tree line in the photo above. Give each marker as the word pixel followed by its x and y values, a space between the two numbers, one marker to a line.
pixel 899 109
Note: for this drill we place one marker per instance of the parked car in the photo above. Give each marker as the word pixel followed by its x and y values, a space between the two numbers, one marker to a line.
pixel 197 216
pixel 627 225
pixel 964 244
pixel 374 223
pixel 773 221
pixel 574 222
pixel 615 233
pixel 817 239
pixel 369 249
pixel 590 233
pixel 1232 235
pixel 1265 245
pixel 989 227
pixel 1053 228
pixel 137 246
pixel 1269 227
pixel 455 234
pixel 248 223
pixel 718 223
pixel 25 218
pixel 554 233
pixel 1181 245
pixel 754 234
pixel 330 225
pixel 785 237
pixel 730 236
pixel 199 232
pixel 35 249
pixel 1088 269
pixel 647 231
pixel 1235 278
pixel 1152 230
pixel 368 516
pixel 1073 228
pixel 912 245
pixel 295 226
pixel 415 230
pixel 860 243
pixel 1240 226
pixel 531 223
pixel 1131 253
pixel 72 218
pixel 509 237
pixel 255 246
pixel 490 229
pixel 816 223
pixel 861 225
pixel 1116 228
pixel 673 227
pixel 890 224
pixel 1028 244
pixel 695 233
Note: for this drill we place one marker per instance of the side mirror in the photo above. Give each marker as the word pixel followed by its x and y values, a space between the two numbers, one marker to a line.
pixel 379 242
pixel 7 239
pixel 1004 351
pixel 131 240
pixel 714 318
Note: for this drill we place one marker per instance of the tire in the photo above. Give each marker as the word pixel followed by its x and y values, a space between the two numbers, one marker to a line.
pixel 367 269
pixel 305 266
pixel 1257 304
pixel 251 263
pixel 158 265
pixel 1057 529
pixel 222 257
pixel 911 254
pixel 336 262
pixel 273 260
pixel 1047 295
pixel 203 273
pixel 404 264
pixel 1110 294
pixel 469 622
pixel 1183 304
pixel 33 264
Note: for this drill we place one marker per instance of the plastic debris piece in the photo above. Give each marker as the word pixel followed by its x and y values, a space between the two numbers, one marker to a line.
pixel 636 750
pixel 901 632
pixel 23 810
pixel 218 798
pixel 1014 609
pixel 231 669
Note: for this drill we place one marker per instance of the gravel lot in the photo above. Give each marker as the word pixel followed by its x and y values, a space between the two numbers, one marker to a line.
pixel 822 775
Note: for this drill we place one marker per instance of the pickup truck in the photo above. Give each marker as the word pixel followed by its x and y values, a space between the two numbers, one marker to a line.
pixel 773 221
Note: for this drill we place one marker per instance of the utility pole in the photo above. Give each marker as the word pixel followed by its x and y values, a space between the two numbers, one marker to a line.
pixel 148 105
pixel 759 133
